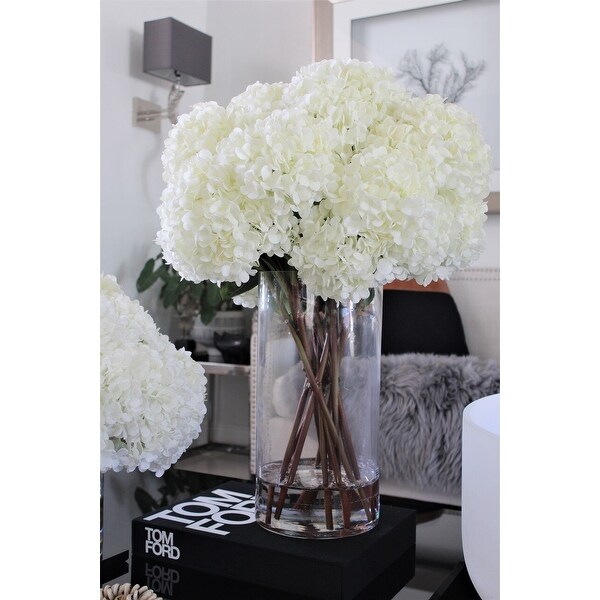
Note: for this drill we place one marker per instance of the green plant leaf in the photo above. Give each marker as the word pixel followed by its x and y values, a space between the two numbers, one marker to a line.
pixel 230 289
pixel 164 272
pixel 147 277
pixel 170 292
pixel 145 501
pixel 170 481
pixel 196 290
pixel 207 313
pixel 213 295
pixel 183 287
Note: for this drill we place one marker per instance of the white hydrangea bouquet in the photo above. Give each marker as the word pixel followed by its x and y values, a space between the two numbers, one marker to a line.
pixel 152 396
pixel 341 175
pixel 335 183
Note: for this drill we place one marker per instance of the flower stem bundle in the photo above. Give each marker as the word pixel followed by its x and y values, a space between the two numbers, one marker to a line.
pixel 320 339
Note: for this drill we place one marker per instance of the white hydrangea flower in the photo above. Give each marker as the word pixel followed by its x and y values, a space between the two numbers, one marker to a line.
pixel 247 299
pixel 258 101
pixel 330 262
pixel 197 131
pixel 353 94
pixel 341 171
pixel 152 396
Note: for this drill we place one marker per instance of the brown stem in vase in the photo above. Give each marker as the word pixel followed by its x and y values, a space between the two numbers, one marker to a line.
pixel 346 508
pixel 298 319
pixel 299 440
pixel 328 508
pixel 339 416
pixel 333 334
pixel 269 506
pixel 320 408
pixel 295 428
pixel 325 474
pixel 353 476
pixel 302 417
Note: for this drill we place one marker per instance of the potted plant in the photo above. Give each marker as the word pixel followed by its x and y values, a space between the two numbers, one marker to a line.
pixel 189 299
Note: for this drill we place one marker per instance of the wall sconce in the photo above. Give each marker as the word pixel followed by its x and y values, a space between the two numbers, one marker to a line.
pixel 175 52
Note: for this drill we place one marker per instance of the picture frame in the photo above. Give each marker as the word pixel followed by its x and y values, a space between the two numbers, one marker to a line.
pixel 364 29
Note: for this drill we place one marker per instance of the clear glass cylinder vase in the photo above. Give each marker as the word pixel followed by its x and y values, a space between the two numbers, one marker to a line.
pixel 317 413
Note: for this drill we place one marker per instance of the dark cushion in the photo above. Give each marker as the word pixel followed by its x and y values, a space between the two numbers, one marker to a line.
pixel 424 322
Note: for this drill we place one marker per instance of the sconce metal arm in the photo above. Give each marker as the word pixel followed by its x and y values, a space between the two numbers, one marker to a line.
pixel 148 114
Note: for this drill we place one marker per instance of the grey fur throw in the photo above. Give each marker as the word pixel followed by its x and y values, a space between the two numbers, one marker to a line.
pixel 422 399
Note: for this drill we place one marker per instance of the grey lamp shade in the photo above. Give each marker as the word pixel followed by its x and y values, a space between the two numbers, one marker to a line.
pixel 172 48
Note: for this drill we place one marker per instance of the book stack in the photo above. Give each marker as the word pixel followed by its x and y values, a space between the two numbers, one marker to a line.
pixel 211 544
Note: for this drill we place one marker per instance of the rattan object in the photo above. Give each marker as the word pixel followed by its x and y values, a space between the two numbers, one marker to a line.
pixel 126 591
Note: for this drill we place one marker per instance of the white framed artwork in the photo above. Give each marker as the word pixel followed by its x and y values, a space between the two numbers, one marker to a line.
pixel 447 47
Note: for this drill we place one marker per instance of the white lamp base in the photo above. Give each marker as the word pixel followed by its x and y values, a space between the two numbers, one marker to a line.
pixel 481 495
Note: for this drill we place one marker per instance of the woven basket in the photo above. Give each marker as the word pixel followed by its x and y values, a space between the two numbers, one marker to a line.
pixel 126 591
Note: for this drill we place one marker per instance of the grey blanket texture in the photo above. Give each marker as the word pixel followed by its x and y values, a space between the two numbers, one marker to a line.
pixel 421 404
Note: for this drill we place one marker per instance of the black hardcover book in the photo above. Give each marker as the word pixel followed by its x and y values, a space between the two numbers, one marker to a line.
pixel 182 583
pixel 213 538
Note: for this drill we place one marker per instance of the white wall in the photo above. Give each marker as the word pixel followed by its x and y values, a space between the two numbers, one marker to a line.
pixel 257 40
pixel 490 257
pixel 131 172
